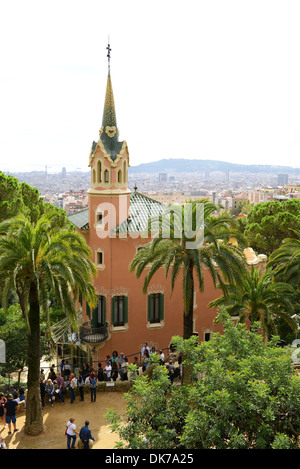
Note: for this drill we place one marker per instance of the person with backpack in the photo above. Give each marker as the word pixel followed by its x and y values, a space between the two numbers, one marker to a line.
pixel 93 387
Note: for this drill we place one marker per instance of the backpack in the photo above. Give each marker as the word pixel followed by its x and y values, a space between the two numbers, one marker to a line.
pixel 93 383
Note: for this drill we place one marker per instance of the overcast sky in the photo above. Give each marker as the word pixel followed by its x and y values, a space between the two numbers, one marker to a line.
pixel 213 79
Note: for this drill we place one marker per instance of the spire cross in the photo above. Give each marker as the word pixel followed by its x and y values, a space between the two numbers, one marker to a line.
pixel 108 55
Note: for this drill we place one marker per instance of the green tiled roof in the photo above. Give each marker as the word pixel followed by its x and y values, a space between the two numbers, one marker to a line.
pixel 80 219
pixel 141 209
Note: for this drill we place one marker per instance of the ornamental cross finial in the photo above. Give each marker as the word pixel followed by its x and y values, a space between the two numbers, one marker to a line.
pixel 108 55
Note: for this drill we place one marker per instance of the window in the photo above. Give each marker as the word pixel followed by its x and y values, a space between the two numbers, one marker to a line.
pixel 99 258
pixel 119 176
pixel 106 176
pixel 119 310
pixel 99 218
pixel 99 173
pixel 155 307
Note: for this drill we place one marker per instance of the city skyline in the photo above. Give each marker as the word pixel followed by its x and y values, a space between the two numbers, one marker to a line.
pixel 207 80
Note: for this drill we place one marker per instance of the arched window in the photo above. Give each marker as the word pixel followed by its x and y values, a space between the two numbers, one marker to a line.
pixel 106 176
pixel 99 175
pixel 124 171
pixel 94 176
pixel 119 176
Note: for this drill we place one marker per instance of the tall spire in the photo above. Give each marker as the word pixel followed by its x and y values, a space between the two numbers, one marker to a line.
pixel 109 131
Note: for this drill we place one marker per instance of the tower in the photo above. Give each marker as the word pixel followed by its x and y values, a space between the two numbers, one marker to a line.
pixel 109 162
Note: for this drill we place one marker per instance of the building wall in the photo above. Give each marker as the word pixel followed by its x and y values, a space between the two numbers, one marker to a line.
pixel 114 278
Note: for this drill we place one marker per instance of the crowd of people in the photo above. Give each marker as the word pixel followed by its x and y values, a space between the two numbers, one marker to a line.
pixel 60 379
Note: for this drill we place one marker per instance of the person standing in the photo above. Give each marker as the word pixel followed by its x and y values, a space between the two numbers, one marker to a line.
pixel 10 409
pixel 85 435
pixel 61 389
pixel 107 371
pixel 43 391
pixel 71 433
pixel 100 372
pixel 93 387
pixel 73 384
pixel 81 384
pixel 2 402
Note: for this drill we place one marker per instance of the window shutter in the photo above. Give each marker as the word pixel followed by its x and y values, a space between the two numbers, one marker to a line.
pixel 104 309
pixel 149 308
pixel 95 317
pixel 88 310
pixel 161 306
pixel 125 309
pixel 113 310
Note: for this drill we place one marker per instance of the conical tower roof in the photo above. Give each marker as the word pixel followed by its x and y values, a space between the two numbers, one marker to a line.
pixel 109 130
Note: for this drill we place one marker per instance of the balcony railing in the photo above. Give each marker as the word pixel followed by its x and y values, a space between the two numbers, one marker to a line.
pixel 93 335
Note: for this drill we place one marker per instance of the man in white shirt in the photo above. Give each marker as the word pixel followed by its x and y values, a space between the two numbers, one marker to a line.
pixel 145 347
pixel 71 433
pixel 107 371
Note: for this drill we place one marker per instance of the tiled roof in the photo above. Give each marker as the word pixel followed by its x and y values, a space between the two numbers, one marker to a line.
pixel 141 209
pixel 80 219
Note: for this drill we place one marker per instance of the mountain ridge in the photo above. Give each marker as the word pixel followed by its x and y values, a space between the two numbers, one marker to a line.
pixel 192 165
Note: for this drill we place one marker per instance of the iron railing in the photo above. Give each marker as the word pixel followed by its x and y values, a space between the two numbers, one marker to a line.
pixel 93 335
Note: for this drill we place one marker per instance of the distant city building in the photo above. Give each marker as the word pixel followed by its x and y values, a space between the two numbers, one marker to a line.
pixel 163 177
pixel 282 179
pixel 257 196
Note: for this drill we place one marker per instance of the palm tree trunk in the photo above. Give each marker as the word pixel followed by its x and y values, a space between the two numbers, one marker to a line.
pixel 34 418
pixel 188 325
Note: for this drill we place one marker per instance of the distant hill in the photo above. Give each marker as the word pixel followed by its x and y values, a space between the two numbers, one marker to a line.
pixel 188 166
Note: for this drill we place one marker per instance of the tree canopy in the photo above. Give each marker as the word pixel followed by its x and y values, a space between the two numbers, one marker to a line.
pixel 269 223
pixel 245 395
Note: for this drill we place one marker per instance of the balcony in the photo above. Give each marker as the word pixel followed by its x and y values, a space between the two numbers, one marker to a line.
pixel 93 335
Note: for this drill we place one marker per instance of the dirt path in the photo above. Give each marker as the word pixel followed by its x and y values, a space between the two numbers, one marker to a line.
pixel 55 419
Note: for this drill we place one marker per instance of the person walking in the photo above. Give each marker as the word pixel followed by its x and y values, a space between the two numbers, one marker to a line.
pixel 71 433
pixel 11 409
pixel 85 435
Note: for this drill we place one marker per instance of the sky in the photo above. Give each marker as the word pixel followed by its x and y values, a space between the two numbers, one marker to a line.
pixel 213 79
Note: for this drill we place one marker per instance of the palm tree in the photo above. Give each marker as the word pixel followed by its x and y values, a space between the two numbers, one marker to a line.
pixel 189 238
pixel 39 260
pixel 285 261
pixel 259 298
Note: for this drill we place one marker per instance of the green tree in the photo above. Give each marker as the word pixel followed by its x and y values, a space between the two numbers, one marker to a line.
pixel 39 259
pixel 245 395
pixel 14 333
pixel 188 241
pixel 269 223
pixel 258 297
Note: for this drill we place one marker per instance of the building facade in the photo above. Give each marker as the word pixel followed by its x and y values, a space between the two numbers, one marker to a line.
pixel 115 226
